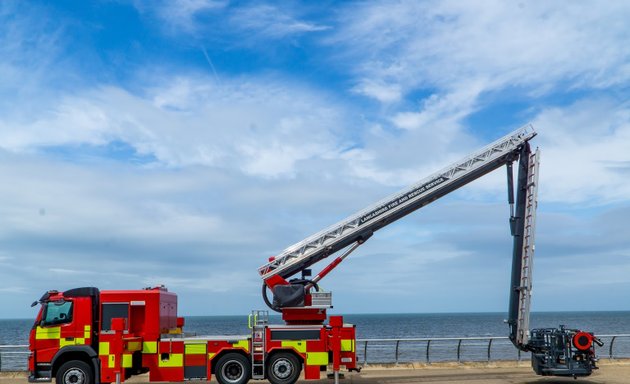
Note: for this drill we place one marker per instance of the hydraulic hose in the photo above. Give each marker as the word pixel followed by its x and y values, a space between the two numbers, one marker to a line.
pixel 266 299
pixel 302 282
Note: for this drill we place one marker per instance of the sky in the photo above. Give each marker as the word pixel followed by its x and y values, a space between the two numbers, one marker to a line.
pixel 185 142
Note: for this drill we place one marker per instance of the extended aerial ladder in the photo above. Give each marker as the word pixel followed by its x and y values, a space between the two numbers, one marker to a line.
pixel 356 229
pixel 300 302
pixel 554 351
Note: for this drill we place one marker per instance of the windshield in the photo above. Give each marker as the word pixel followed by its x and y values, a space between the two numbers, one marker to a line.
pixel 57 312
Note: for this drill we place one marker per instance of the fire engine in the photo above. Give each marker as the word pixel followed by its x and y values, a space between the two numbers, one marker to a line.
pixel 92 336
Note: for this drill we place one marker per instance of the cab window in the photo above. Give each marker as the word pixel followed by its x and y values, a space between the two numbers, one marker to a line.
pixel 57 312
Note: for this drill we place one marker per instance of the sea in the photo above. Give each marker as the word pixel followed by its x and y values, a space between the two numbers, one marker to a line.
pixel 388 328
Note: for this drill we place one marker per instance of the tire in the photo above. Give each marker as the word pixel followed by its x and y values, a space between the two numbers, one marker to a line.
pixel 233 368
pixel 283 368
pixel 75 372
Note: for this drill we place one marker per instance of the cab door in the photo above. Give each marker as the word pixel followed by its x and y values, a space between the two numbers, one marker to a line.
pixel 56 320
pixel 77 331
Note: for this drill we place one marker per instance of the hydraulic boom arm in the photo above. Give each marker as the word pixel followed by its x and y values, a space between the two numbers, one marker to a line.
pixel 359 227
pixel 555 351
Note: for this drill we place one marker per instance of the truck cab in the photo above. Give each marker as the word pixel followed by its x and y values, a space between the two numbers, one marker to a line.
pixel 87 336
pixel 64 331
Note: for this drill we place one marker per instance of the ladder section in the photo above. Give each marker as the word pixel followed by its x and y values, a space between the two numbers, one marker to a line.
pixel 527 258
pixel 361 225
pixel 259 347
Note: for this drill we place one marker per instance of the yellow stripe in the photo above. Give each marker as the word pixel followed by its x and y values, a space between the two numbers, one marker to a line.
pixel 111 362
pixel 134 346
pixel 76 341
pixel 103 348
pixel 87 332
pixel 242 344
pixel 174 360
pixel 195 349
pixel 347 345
pixel 211 355
pixel 149 347
pixel 48 333
pixel 127 361
pixel 317 358
pixel 299 345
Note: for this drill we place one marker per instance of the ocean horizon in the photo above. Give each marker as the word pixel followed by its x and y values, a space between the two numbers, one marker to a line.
pixel 391 325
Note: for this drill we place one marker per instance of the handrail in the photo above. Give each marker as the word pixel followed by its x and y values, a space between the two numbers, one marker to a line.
pixel 9 350
pixel 459 344
pixel 397 346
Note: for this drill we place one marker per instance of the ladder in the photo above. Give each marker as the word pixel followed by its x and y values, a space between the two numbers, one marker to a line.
pixel 527 258
pixel 360 226
pixel 259 328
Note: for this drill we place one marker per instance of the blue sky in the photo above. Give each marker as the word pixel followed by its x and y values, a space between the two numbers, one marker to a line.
pixel 184 142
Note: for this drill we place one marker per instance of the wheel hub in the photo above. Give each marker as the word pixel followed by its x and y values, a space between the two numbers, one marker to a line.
pixel 74 376
pixel 233 371
pixel 282 369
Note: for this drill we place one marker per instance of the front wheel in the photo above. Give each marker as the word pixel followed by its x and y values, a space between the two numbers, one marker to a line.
pixel 74 372
pixel 232 368
pixel 283 368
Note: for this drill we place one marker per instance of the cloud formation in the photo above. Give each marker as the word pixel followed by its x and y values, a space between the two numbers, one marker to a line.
pixel 170 171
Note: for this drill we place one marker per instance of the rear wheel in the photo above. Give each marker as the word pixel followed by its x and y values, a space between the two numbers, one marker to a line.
pixel 283 368
pixel 232 368
pixel 74 372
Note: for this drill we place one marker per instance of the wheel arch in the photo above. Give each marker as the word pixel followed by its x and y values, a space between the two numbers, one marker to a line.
pixel 83 353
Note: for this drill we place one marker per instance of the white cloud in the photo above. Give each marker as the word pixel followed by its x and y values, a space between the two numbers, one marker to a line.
pixel 181 15
pixel 232 171
pixel 30 52
pixel 447 44
pixel 438 111
pixel 457 58
pixel 385 93
pixel 261 126
pixel 200 18
pixel 448 55
pixel 273 22
pixel 585 152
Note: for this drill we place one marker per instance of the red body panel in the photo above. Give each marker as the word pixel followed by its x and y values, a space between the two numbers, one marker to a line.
pixel 138 330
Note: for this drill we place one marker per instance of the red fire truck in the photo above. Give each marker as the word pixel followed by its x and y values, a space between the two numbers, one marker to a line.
pixel 87 336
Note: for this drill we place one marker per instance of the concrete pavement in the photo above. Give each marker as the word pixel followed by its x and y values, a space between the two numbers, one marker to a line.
pixel 616 372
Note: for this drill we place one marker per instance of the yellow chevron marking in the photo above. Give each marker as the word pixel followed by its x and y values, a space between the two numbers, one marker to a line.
pixel 299 345
pixel 347 345
pixel 149 347
pixel 127 361
pixel 133 346
pixel 174 360
pixel 195 349
pixel 103 348
pixel 42 333
pixel 76 341
pixel 242 344
pixel 317 358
